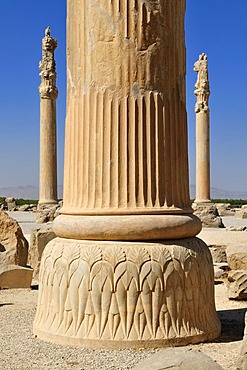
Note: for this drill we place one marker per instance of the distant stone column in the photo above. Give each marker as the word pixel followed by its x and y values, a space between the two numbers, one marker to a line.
pixel 202 131
pixel 48 143
pixel 126 270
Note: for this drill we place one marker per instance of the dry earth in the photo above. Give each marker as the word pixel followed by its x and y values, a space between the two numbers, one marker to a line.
pixel 21 350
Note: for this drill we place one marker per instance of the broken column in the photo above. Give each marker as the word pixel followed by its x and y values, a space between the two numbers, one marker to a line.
pixel 202 93
pixel 126 269
pixel 203 207
pixel 48 144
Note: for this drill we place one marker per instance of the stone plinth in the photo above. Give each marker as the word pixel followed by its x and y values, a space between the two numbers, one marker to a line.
pixel 113 278
pixel 126 294
pixel 15 277
pixel 38 240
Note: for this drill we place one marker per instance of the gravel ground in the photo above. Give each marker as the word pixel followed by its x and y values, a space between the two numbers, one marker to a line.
pixel 20 350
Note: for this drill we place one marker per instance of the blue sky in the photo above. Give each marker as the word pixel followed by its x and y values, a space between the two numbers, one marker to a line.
pixel 216 27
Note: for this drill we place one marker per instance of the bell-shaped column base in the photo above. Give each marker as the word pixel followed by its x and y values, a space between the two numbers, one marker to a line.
pixel 109 294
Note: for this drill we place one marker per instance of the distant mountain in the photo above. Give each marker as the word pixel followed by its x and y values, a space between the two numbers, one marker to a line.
pixel 32 192
pixel 221 194
pixel 25 192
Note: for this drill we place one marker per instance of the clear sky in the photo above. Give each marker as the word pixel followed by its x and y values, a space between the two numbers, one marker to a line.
pixel 216 27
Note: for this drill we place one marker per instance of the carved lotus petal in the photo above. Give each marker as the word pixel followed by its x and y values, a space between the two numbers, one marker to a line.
pixel 71 253
pixel 47 251
pixel 114 255
pixel 92 254
pixel 161 255
pixel 138 256
pixel 57 252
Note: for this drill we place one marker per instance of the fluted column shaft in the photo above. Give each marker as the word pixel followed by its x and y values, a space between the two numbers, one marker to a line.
pixel 202 157
pixel 112 279
pixel 202 93
pixel 48 141
pixel 126 129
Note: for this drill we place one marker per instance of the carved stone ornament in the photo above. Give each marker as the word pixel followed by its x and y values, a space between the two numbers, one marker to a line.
pixel 47 66
pixel 121 294
pixel 202 91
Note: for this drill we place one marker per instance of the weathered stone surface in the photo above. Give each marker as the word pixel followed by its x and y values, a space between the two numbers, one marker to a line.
pixel 126 178
pixel 178 359
pixel 27 208
pixel 13 245
pixel 242 358
pixel 236 228
pixel 202 93
pixel 109 285
pixel 218 253
pixel 47 213
pixel 237 284
pixel 13 277
pixel 225 209
pixel 237 257
pixel 38 240
pixel 208 215
pixel 48 142
pixel 220 270
pixel 241 213
pixel 11 205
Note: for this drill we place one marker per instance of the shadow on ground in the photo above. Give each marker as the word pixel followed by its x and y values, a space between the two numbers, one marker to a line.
pixel 6 304
pixel 232 325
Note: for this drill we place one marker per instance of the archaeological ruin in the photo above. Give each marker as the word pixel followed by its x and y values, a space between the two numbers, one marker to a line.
pixel 48 142
pixel 126 269
pixel 202 93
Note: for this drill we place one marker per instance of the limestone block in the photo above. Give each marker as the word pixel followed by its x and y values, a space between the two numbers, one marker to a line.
pixel 220 270
pixel 13 245
pixel 218 253
pixel 10 204
pixel 178 359
pixel 106 294
pixel 241 213
pixel 237 284
pixel 47 213
pixel 13 277
pixel 208 215
pixel 225 209
pixel 237 257
pixel 38 240
pixel 236 228
pixel 242 358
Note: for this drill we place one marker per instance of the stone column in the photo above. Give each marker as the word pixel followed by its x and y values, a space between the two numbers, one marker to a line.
pixel 48 144
pixel 126 270
pixel 202 131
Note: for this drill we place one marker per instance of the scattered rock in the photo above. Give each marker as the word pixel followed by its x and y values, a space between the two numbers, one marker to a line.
pixel 220 270
pixel 224 209
pixel 242 358
pixel 237 257
pixel 38 240
pixel 218 273
pixel 13 277
pixel 236 228
pixel 13 245
pixel 209 215
pixel 11 204
pixel 178 359
pixel 218 253
pixel 241 213
pixel 237 284
pixel 27 208
pixel 47 213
